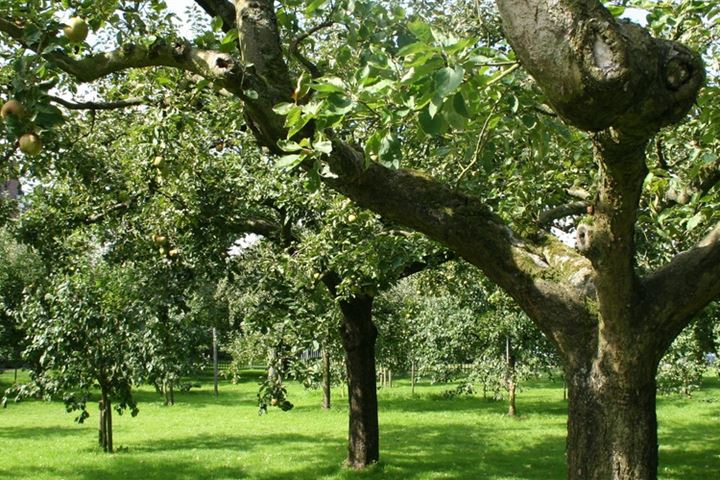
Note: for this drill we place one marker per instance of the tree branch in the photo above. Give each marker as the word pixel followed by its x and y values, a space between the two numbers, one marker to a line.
pixel 220 8
pixel 97 105
pixel 206 63
pixel 294 49
pixel 529 273
pixel 683 287
pixel 548 216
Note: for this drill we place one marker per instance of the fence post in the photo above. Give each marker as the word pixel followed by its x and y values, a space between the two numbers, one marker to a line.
pixel 215 361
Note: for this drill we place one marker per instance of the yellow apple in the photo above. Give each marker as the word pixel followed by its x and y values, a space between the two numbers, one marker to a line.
pixel 76 30
pixel 12 107
pixel 30 144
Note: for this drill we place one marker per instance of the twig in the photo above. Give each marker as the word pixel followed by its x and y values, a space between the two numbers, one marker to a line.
pixel 311 67
pixel 480 145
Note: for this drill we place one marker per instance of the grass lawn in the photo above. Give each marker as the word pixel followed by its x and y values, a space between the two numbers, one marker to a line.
pixel 422 437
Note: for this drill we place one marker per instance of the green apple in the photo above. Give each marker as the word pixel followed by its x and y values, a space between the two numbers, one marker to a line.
pixel 12 107
pixel 76 30
pixel 30 144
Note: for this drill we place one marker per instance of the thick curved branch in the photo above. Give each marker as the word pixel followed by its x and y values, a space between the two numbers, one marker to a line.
pixel 683 287
pixel 206 63
pixel 599 72
pixel 479 236
pixel 220 8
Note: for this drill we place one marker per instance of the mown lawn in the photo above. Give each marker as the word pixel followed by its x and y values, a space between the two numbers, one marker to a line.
pixel 422 437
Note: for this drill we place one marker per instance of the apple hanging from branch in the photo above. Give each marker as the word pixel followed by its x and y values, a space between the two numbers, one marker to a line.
pixel 76 30
pixel 30 144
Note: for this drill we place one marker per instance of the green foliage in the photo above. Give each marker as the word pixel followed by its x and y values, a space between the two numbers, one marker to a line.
pixel 85 330
pixel 20 269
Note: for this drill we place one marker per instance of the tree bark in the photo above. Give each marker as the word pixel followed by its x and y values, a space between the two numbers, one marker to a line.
pixel 108 425
pixel 358 337
pixel 326 379
pixel 105 430
pixel 612 426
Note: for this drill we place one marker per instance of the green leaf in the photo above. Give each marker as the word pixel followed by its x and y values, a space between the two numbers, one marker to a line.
pixel 324 146
pixel 230 37
pixel 414 48
pixel 432 125
pixel 459 105
pixel 288 162
pixel 284 108
pixel 696 220
pixel 216 24
pixel 338 105
pixel 447 80
pixel 616 10
pixel 289 146
pixel 329 84
pixel 421 30
pixel 48 116
pixel 314 5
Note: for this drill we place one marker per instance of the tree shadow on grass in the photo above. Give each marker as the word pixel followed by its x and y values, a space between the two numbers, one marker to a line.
pixel 131 468
pixel 690 451
pixel 30 432
pixel 437 403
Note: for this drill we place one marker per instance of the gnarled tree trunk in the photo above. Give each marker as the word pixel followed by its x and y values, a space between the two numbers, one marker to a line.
pixel 612 426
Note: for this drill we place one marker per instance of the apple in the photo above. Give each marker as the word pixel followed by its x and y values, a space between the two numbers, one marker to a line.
pixel 160 239
pixel 76 30
pixel 158 161
pixel 30 144
pixel 351 218
pixel 13 107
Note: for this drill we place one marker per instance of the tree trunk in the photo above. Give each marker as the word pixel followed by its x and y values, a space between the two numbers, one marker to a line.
pixel 105 427
pixel 101 424
pixel 108 425
pixel 612 426
pixel 510 379
pixel 326 379
pixel 412 378
pixel 172 392
pixel 358 338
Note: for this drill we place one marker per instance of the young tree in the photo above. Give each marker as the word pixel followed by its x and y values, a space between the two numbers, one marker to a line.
pixel 85 331
pixel 610 320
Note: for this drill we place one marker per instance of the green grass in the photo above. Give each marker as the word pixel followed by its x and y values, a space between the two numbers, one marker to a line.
pixel 422 437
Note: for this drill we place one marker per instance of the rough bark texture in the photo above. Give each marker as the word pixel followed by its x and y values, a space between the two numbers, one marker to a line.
pixel 612 427
pixel 358 337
